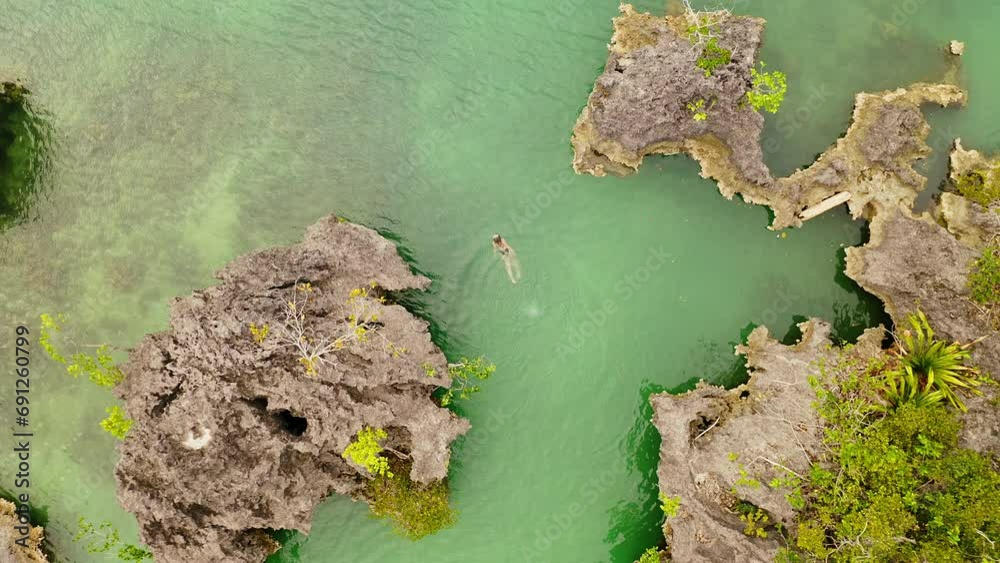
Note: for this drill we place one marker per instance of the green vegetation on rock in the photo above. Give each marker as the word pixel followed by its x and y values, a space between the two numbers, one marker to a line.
pixel 980 186
pixel 117 424
pixel 713 56
pixel 416 510
pixel 984 279
pixel 895 485
pixel 651 555
pixel 366 451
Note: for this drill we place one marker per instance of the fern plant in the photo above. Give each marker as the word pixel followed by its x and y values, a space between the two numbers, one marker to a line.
pixel 929 370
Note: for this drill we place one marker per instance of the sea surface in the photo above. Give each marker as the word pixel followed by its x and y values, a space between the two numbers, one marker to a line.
pixel 181 134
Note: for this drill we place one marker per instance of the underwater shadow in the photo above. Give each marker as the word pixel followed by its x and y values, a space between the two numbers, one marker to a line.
pixel 24 154
pixel 632 522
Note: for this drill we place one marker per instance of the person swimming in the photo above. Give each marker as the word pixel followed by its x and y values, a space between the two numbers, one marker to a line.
pixel 509 258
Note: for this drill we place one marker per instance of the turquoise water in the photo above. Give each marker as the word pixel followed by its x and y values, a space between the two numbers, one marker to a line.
pixel 185 134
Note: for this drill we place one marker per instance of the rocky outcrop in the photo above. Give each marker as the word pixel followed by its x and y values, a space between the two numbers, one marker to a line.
pixel 12 552
pixel 233 438
pixel 639 107
pixel 720 447
pixel 923 262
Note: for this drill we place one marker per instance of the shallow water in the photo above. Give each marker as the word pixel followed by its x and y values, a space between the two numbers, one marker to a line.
pixel 185 134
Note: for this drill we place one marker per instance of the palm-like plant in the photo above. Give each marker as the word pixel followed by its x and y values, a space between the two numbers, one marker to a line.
pixel 929 371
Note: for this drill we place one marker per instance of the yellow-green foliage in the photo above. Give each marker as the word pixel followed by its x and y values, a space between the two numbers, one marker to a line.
pixel 651 555
pixel 755 520
pixel 260 333
pixel 895 485
pixel 981 186
pixel 713 56
pixel 984 279
pixel 768 89
pixel 99 367
pixel 462 375
pixel 415 510
pixel 366 450
pixel 669 505
pixel 104 538
pixel 699 112
pixel 116 424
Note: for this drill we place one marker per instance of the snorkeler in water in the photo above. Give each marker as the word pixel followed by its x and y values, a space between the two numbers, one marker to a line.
pixel 509 258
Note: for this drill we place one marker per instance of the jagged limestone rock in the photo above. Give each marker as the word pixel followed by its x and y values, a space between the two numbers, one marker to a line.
pixel 233 438
pixel 717 441
pixel 12 552
pixel 639 107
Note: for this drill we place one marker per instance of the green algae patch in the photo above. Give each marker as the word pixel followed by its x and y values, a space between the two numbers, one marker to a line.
pixel 20 155
pixel 981 186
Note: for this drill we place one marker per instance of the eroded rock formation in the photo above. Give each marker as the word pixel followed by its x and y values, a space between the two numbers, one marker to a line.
pixel 12 552
pixel 639 107
pixel 913 260
pixel 713 439
pixel 232 437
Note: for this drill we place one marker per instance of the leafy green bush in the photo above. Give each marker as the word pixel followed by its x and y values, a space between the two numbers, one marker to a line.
pixel 713 56
pixel 416 510
pixel 768 89
pixel 366 451
pixel 99 367
pixel 669 505
pixel 651 555
pixel 929 370
pixel 462 374
pixel 117 424
pixel 981 186
pixel 698 109
pixel 895 485
pixel 984 279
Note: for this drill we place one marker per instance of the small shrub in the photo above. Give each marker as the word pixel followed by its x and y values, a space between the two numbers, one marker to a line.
pixel 929 370
pixel 416 510
pixel 366 451
pixel 99 367
pixel 980 186
pixel 713 57
pixel 651 555
pixel 755 519
pixel 260 333
pixel 699 110
pixel 116 424
pixel 462 375
pixel 669 505
pixel 768 89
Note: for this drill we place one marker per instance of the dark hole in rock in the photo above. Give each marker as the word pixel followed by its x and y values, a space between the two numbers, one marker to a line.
pixel 294 425
pixel 744 394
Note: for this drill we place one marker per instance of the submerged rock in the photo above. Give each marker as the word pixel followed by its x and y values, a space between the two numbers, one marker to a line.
pixel 23 140
pixel 12 552
pixel 720 447
pixel 232 438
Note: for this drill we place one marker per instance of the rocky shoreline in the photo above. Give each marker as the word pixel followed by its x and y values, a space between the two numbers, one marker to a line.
pixel 713 439
pixel 233 437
